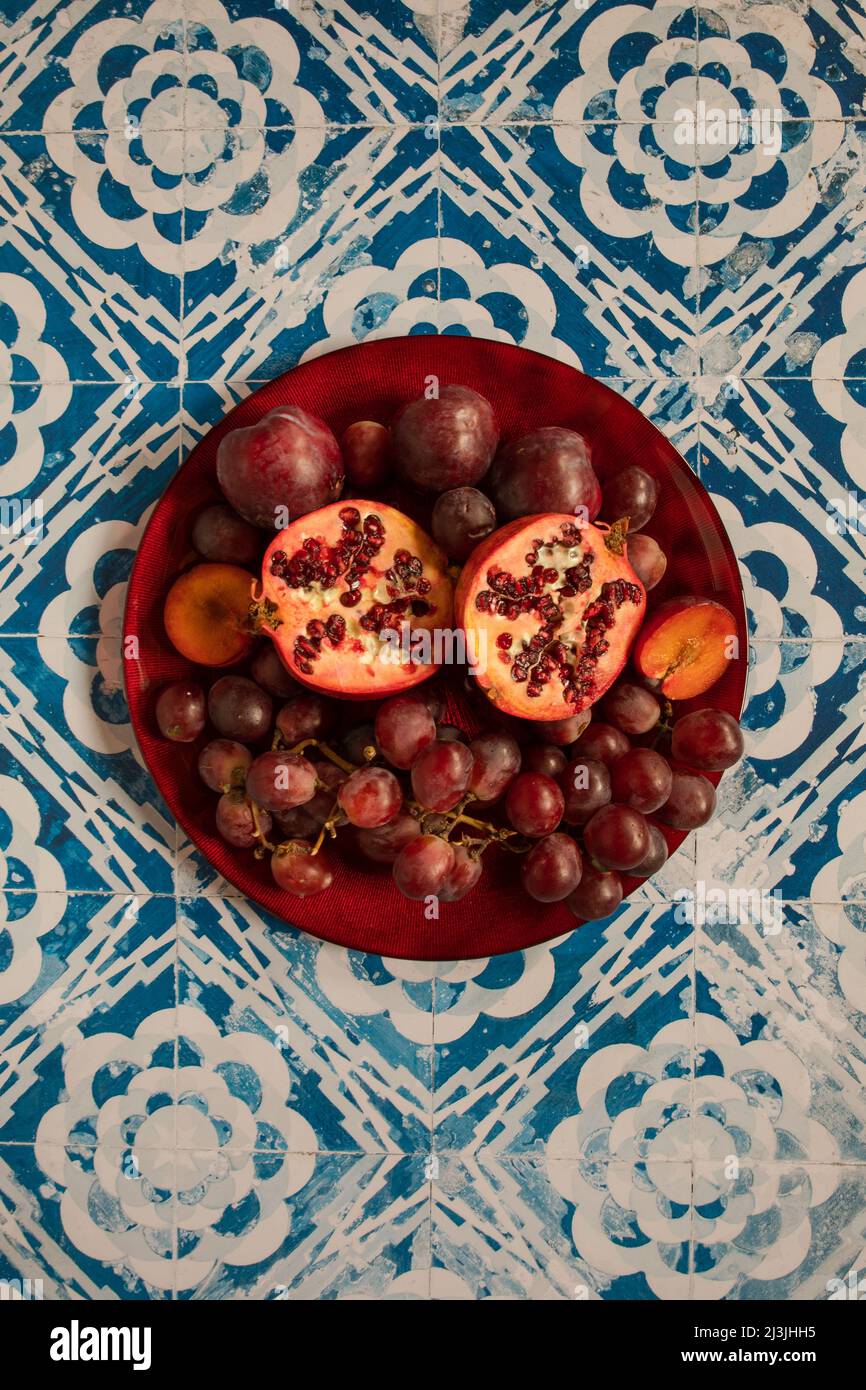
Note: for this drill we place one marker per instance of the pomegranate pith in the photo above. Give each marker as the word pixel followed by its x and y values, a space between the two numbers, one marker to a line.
pixel 353 596
pixel 570 603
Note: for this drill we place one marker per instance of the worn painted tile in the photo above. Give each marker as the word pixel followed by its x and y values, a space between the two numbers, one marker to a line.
pixel 345 1039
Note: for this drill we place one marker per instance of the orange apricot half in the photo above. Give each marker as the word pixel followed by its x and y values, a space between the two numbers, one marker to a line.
pixel 685 646
pixel 207 614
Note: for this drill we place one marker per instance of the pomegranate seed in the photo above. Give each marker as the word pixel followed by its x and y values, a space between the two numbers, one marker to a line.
pixel 335 627
pixel 349 599
pixel 504 640
pixel 350 516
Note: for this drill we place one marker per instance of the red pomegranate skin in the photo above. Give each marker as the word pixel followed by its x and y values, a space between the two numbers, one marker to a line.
pixel 548 470
pixel 445 441
pixel 289 459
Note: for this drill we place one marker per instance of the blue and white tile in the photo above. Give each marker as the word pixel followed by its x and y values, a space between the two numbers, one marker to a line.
pixel 777 976
pixel 556 270
pixel 106 233
pixel 343 1040
pixel 81 468
pixel 81 1223
pixel 781 242
pixel 809 60
pixel 89 1043
pixel 75 788
pixel 351 1226
pixel 774 464
pixel 778 1232
pixel 567 61
pixel 337 245
pixel 780 811
pixel 520 1037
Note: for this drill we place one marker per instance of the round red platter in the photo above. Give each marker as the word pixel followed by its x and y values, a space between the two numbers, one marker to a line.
pixel 363 910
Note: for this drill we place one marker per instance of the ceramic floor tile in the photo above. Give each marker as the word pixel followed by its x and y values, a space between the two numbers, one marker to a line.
pixel 198 1101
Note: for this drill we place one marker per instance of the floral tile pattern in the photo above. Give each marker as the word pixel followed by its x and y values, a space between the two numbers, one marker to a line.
pixel 198 1102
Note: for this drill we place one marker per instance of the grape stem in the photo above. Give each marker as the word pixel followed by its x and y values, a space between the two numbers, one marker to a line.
pixel 335 818
pixel 492 834
pixel 260 836
pixel 323 748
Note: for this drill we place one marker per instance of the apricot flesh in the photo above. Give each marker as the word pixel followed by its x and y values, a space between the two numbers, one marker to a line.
pixel 207 614
pixel 685 647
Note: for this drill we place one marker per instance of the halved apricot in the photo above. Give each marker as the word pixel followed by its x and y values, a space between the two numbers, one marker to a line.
pixel 685 646
pixel 207 614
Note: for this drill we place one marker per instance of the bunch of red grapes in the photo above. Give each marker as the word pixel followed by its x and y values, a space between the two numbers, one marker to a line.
pixel 581 798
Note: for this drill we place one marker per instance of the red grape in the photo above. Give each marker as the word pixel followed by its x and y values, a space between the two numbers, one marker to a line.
pixel 404 727
pixel 564 731
pixel 223 764
pixel 432 697
pixel 586 786
pixel 356 742
pixel 298 823
pixel 647 559
pixel 691 802
pixel 642 779
pixel 534 804
pixel 422 866
pixel 601 741
pixel 180 711
pixel 544 757
pixel 365 455
pixel 597 895
pixel 496 760
pixel 632 493
pixel 320 806
pixel 305 716
pixel 552 868
pixel 440 775
pixel 617 837
pixel 236 822
pixel 385 842
pixel 631 709
pixel 370 797
pixel 279 781
pixel 462 876
pixel 461 518
pixel 268 671
pixel 658 853
pixel 219 534
pixel 239 708
pixel 709 739
pixel 449 733
pixel 299 872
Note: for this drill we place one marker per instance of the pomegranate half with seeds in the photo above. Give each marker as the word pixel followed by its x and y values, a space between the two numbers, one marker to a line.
pixel 550 610
pixel 353 596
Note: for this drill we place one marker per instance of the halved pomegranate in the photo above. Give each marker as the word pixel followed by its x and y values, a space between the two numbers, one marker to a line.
pixel 550 610
pixel 353 597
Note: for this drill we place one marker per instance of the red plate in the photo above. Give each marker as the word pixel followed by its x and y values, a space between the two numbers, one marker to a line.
pixel 363 909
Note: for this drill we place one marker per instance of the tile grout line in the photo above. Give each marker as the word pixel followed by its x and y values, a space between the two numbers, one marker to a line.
pixel 513 122
pixel 182 372
pixel 433 1156
pixel 699 461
